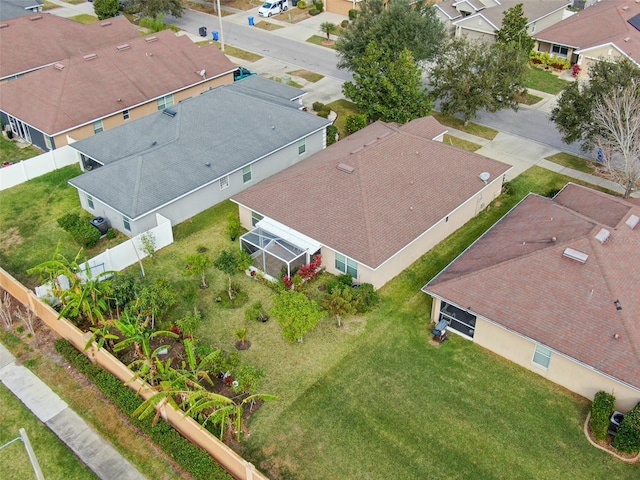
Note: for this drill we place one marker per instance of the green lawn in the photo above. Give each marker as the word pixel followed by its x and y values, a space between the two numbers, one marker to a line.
pixel 10 152
pixel 544 81
pixel 573 161
pixel 343 108
pixel 84 18
pixel 309 76
pixel 55 459
pixel 318 40
pixel 460 143
pixel 472 128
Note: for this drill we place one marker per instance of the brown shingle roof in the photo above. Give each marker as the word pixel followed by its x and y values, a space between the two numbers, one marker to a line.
pixel 600 24
pixel 402 184
pixel 517 276
pixel 116 79
pixel 40 39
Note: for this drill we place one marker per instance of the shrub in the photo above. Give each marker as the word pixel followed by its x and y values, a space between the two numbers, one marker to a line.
pixel 355 122
pixel 302 4
pixel 319 6
pixel 313 12
pixel 344 24
pixel 255 313
pixel 317 106
pixel 601 410
pixel 68 221
pixel 111 234
pixel 365 298
pixel 628 436
pixel 80 229
pixel 323 113
pixel 332 132
pixel 575 70
pixel 154 24
pixel 106 8
pixel 353 13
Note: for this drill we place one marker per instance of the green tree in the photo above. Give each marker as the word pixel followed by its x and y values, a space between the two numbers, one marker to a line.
pixel 154 299
pixel 197 265
pixel 106 8
pixel 151 8
pixel 296 313
pixel 230 262
pixel 574 113
pixel 514 29
pixel 471 76
pixel 395 26
pixel 339 303
pixel 386 87
pixel 328 28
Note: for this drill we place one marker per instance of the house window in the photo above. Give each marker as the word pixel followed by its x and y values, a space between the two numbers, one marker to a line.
pixel 459 320
pixel 560 51
pixel 125 115
pixel 127 223
pixel 224 182
pixel 346 265
pixel 97 126
pixel 165 102
pixel 542 356
pixel 255 218
pixel 246 174
pixel 302 146
pixel 90 202
pixel 48 141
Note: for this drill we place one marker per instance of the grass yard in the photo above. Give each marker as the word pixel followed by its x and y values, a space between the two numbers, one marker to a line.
pixel 210 9
pixel 343 108
pixel 84 18
pixel 268 26
pixel 309 76
pixel 49 5
pixel 573 161
pixel 544 81
pixel 460 143
pixel 529 99
pixel 320 40
pixel 55 459
pixel 11 152
pixel 472 128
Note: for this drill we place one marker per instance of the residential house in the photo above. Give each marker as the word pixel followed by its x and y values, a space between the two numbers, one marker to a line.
pixel 608 30
pixel 86 94
pixel 553 287
pixel 479 20
pixel 187 158
pixel 18 8
pixel 371 204
pixel 35 41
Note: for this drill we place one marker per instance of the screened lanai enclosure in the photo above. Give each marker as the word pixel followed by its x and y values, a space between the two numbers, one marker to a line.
pixel 276 249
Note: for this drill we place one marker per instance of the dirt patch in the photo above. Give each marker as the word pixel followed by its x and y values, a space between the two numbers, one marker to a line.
pixel 11 238
pixel 293 15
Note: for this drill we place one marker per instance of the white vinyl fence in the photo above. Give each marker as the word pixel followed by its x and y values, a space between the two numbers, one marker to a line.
pixel 25 170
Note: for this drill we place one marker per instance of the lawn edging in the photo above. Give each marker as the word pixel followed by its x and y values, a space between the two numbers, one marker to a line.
pixel 635 459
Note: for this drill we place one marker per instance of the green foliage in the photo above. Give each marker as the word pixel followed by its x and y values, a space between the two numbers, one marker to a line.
pixel 545 60
pixel 514 29
pixel 154 8
pixel 248 378
pixel 627 438
pixel 256 313
pixel 339 303
pixel 472 75
pixel 190 323
pixel 344 23
pixel 231 262
pixel 195 461
pixel 302 4
pixel 355 122
pixel 353 13
pixel 574 113
pixel 106 8
pixel 241 333
pixel 317 106
pixel 324 113
pixel 314 11
pixel 154 24
pixel 601 410
pixel 123 289
pixel 365 298
pixel 197 264
pixel 233 225
pixel 395 28
pixel 328 28
pixel 69 220
pixel 85 234
pixel 296 313
pixel 111 234
pixel 332 132
pixel 319 6
pixel 148 241
pixel 387 87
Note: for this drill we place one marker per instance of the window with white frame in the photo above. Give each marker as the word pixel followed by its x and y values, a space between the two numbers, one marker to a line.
pixel 165 102
pixel 127 223
pixel 98 126
pixel 560 51
pixel 302 146
pixel 48 141
pixel 255 218
pixel 90 202
pixel 346 265
pixel 126 115
pixel 224 182
pixel 246 174
pixel 542 356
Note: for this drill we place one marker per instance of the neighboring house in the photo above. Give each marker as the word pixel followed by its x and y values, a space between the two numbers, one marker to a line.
pixel 371 204
pixel 479 20
pixel 83 95
pixel 608 30
pixel 187 158
pixel 35 41
pixel 554 286
pixel 18 8
pixel 340 6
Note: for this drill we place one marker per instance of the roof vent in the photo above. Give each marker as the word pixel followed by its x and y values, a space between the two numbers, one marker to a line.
pixel 105 24
pixel 58 66
pixel 152 38
pixel 632 221
pixel 90 56
pixel 625 7
pixel 381 136
pixel 626 39
pixel 602 235
pixel 4 25
pixel 124 46
pixel 575 255
pixel 168 111
pixel 618 305
pixel 37 17
pixel 343 167
pixel 484 176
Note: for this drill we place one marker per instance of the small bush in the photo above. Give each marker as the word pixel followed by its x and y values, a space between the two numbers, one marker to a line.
pixel 323 113
pixel 80 229
pixel 68 221
pixel 353 13
pixel 317 106
pixel 601 410
pixel 365 298
pixel 355 122
pixel 313 12
pixel 111 234
pixel 627 438
pixel 255 313
pixel 344 23
pixel 332 132
pixel 319 6
pixel 302 4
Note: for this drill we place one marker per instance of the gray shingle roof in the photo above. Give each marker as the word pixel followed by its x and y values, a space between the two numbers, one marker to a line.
pixel 158 158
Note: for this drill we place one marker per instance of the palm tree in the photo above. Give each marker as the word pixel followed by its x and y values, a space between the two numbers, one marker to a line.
pixel 339 303
pixel 328 28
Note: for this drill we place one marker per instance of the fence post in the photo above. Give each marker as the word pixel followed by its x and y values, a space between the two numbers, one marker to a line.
pixel 24 170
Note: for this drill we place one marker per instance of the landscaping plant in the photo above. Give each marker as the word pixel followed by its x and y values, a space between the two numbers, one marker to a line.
pixel 627 438
pixel 601 410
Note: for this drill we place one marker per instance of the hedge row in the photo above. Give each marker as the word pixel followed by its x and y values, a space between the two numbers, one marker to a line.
pixel 194 460
pixel 601 410
pixel 628 436
pixel 80 229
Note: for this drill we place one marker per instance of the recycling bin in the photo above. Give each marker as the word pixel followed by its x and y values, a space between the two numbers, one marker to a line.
pixel 251 21
pixel 215 35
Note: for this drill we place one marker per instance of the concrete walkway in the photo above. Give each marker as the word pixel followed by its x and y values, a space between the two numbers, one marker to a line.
pixel 50 409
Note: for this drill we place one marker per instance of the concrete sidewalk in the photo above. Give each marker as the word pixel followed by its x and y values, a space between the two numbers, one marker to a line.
pixel 50 409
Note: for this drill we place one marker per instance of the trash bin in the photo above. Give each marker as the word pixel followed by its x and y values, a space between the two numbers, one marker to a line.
pixel 294 3
pixel 251 21
pixel 203 31
pixel 214 35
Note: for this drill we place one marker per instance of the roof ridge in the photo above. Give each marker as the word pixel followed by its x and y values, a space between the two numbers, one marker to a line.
pixel 365 207
pixel 136 186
